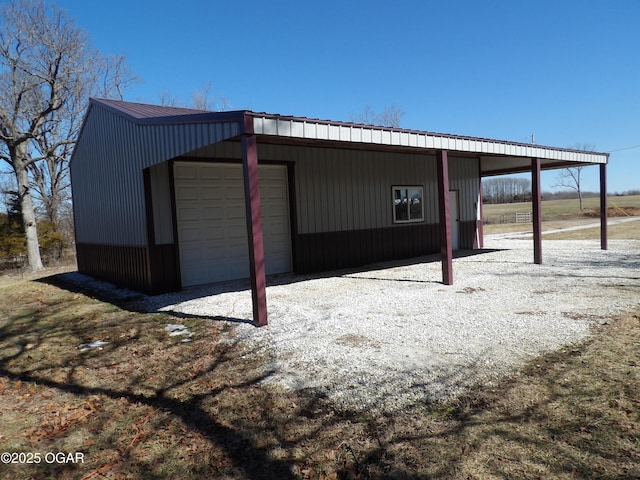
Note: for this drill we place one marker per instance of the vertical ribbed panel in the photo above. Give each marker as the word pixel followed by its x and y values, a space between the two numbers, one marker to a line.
pixel 161 203
pixel 341 189
pixel 108 162
pixel 464 176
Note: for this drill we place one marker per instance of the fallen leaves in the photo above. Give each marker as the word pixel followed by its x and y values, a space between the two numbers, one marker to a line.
pixel 57 420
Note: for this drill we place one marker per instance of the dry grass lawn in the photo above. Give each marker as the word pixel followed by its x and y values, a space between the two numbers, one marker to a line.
pixel 564 209
pixel 622 231
pixel 560 214
pixel 149 406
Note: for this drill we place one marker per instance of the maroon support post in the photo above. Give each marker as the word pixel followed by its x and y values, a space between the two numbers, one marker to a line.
pixel 254 223
pixel 446 251
pixel 480 224
pixel 536 200
pixel 604 214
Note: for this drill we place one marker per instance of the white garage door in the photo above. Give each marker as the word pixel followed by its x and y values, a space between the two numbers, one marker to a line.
pixel 212 231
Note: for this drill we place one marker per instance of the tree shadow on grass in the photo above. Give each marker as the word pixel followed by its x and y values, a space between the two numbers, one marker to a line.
pixel 550 423
pixel 40 346
pixel 211 387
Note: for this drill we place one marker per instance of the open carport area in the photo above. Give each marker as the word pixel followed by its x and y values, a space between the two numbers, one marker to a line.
pixel 393 335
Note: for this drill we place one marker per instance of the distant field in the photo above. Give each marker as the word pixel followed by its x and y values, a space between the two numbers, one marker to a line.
pixel 558 214
pixel 560 209
pixel 623 231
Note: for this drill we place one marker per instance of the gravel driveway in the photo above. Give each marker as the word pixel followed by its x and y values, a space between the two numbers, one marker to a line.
pixel 394 335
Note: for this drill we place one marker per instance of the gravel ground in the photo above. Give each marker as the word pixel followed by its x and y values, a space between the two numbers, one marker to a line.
pixel 393 335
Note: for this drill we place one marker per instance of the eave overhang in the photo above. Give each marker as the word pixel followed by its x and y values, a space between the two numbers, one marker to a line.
pixel 496 156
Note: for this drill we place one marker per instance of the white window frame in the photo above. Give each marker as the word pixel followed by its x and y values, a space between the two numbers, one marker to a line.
pixel 394 189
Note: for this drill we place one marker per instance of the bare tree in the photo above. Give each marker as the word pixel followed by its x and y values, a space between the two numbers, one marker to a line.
pixel 389 117
pixel 46 70
pixel 506 189
pixel 167 99
pixel 201 99
pixel 56 139
pixel 571 177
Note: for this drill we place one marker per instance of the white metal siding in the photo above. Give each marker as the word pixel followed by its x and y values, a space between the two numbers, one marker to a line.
pixel 322 130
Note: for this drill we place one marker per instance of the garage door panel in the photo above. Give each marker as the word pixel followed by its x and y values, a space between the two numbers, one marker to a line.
pixel 213 212
pixel 236 223
pixel 194 253
pixel 186 192
pixel 214 237
pixel 236 212
pixel 211 221
pixel 188 235
pixel 188 214
pixel 185 172
pixel 213 193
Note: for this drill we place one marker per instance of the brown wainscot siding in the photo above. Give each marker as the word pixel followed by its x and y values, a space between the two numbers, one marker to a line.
pixel 468 236
pixel 126 266
pixel 164 271
pixel 317 252
pixel 133 267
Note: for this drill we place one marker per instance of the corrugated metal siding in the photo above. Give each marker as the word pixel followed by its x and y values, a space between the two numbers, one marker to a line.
pixel 107 190
pixel 352 190
pixel 341 189
pixel 113 148
pixel 464 176
pixel 124 265
pixel 161 203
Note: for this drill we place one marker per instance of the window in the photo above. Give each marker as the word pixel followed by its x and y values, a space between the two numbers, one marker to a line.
pixel 407 204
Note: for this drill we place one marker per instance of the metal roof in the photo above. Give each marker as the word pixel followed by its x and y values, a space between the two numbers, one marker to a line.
pixel 141 110
pixel 497 156
pixel 295 127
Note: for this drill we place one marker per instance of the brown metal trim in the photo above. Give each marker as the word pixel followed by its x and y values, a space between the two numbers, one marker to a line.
pixel 604 209
pixel 174 222
pixel 526 169
pixel 446 251
pixel 148 214
pixel 481 220
pixel 235 161
pixel 536 200
pixel 227 160
pixel 161 259
pixel 468 238
pixel 254 223
pixel 293 214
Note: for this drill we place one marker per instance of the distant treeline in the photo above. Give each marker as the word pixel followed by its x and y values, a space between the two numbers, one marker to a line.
pixel 513 190
pixel 572 194
pixel 506 190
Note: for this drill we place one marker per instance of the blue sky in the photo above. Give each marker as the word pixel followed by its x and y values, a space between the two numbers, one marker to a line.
pixel 566 71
